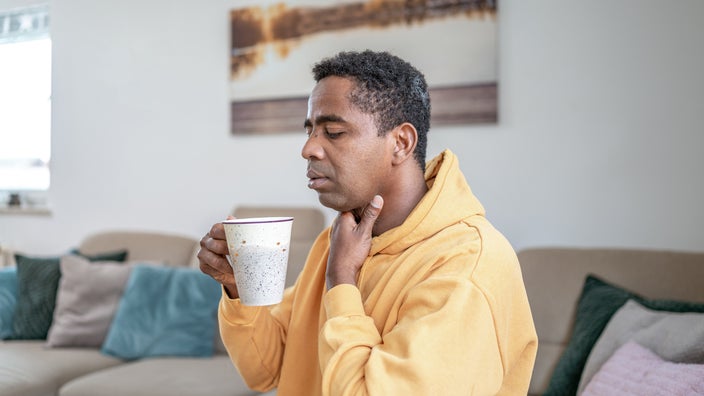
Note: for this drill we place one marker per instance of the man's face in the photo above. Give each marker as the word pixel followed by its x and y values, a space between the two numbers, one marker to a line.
pixel 348 163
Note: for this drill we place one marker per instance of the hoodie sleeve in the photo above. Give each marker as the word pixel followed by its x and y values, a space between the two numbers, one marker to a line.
pixel 444 345
pixel 256 354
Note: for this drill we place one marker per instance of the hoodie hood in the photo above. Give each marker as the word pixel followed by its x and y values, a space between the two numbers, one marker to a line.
pixel 448 201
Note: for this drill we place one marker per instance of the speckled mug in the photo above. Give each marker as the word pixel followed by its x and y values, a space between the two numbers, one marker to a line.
pixel 259 249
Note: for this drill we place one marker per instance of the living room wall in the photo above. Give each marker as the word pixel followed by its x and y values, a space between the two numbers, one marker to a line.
pixel 599 141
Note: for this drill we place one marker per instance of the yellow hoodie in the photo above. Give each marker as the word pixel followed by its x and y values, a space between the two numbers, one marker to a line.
pixel 439 309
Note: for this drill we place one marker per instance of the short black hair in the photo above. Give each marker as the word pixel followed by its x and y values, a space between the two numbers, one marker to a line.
pixel 387 87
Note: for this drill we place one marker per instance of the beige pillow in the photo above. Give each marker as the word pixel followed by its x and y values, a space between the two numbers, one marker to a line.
pixel 674 336
pixel 86 301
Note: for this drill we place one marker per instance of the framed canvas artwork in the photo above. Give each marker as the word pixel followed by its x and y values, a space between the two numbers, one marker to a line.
pixel 274 44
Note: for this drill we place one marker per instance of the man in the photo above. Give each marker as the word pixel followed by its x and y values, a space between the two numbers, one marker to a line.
pixel 411 291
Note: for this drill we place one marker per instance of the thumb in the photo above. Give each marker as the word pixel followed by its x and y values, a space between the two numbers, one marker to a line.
pixel 371 213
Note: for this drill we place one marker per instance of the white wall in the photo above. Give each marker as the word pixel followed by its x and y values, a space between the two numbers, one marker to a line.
pixel 599 142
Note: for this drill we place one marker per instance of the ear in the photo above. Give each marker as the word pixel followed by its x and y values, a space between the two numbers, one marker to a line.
pixel 405 140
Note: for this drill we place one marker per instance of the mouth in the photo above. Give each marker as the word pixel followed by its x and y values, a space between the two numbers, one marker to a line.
pixel 316 180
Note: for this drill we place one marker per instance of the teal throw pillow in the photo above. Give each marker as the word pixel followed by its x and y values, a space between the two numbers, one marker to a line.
pixel 164 311
pixel 8 300
pixel 37 284
pixel 597 304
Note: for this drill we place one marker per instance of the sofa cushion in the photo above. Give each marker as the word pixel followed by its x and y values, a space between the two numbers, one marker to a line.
pixel 214 376
pixel 597 303
pixel 169 249
pixel 554 278
pixel 164 311
pixel 674 336
pixel 635 370
pixel 86 301
pixel 37 284
pixel 8 300
pixel 28 368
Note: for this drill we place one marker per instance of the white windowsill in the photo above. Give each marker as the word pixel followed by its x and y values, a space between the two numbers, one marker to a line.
pixel 25 210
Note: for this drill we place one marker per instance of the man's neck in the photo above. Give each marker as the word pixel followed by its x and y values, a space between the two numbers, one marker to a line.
pixel 398 206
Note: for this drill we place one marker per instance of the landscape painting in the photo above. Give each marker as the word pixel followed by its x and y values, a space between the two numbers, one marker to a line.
pixel 274 44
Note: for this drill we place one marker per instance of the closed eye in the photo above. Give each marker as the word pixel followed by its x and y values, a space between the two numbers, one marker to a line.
pixel 333 135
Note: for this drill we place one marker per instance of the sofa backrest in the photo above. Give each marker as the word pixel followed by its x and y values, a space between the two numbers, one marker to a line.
pixel 554 278
pixel 169 249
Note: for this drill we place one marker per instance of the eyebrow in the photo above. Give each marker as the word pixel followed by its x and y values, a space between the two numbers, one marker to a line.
pixel 323 119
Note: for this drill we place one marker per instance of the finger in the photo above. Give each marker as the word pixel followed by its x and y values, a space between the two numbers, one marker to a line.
pixel 214 241
pixel 217 246
pixel 346 219
pixel 211 263
pixel 223 274
pixel 371 213
pixel 217 231
pixel 343 221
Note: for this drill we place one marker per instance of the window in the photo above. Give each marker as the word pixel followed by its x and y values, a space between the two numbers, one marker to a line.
pixel 25 100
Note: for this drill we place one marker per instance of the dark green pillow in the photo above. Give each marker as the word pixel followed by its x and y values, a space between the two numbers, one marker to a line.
pixel 598 302
pixel 37 283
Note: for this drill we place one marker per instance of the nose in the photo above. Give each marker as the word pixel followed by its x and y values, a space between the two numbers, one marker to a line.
pixel 312 148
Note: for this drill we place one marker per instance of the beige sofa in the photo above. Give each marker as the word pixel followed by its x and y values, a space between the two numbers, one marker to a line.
pixel 554 278
pixel 30 368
